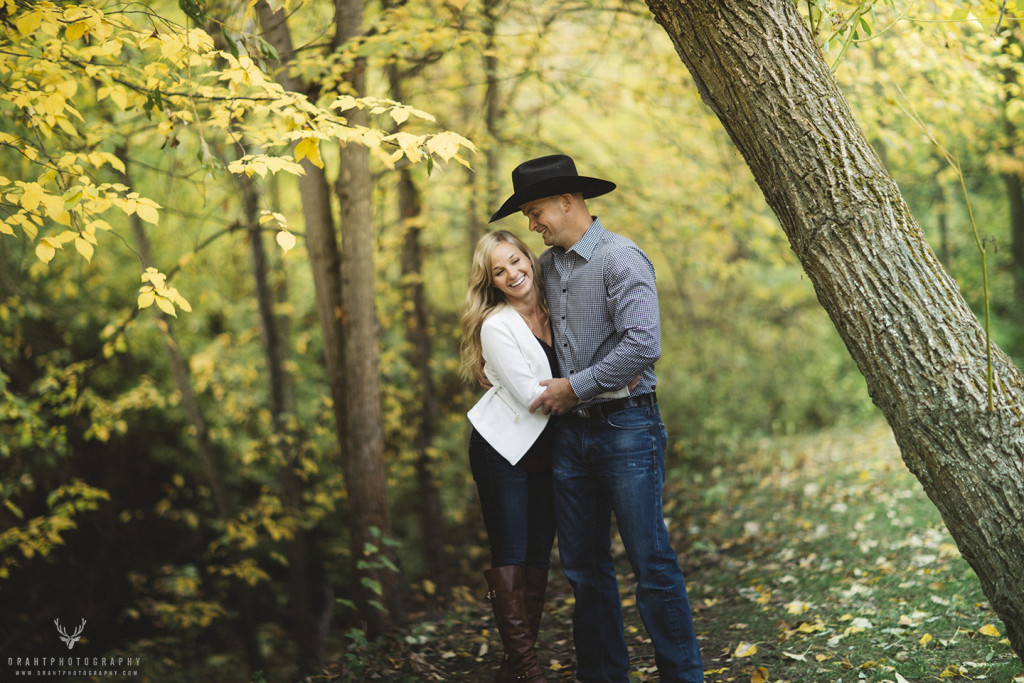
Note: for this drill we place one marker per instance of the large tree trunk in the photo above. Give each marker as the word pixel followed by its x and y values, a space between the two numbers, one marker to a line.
pixel 363 432
pixel 913 337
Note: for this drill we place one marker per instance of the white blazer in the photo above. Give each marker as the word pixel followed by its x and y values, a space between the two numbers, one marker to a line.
pixel 515 364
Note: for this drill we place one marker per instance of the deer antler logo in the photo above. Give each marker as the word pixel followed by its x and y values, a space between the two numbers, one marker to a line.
pixel 73 638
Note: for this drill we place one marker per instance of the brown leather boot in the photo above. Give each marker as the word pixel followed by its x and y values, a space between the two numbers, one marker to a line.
pixel 507 594
pixel 536 582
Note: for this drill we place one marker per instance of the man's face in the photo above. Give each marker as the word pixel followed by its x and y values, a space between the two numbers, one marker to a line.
pixel 547 217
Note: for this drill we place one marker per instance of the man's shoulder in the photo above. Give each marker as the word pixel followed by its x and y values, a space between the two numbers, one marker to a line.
pixel 613 241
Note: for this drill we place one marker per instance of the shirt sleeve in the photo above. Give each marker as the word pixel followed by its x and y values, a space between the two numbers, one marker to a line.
pixel 632 300
pixel 506 362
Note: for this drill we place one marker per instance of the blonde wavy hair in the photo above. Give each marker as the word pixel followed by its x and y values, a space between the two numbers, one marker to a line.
pixel 483 297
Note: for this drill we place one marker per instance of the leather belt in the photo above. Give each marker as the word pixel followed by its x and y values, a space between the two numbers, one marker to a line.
pixel 602 410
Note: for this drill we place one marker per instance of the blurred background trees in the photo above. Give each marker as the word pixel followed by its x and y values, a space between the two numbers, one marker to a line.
pixel 193 481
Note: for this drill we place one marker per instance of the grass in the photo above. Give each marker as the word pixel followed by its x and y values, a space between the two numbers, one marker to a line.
pixel 820 559
pixel 809 559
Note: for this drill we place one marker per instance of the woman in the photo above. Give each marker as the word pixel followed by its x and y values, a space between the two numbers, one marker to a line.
pixel 506 333
pixel 506 338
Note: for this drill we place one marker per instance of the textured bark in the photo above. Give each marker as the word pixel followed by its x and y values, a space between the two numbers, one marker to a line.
pixel 913 337
pixel 418 341
pixel 363 431
pixel 418 353
pixel 304 626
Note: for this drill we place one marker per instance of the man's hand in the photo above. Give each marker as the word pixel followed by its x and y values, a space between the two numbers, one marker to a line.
pixel 558 397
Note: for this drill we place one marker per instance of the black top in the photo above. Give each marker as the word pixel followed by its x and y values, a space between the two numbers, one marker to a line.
pixel 538 458
pixel 549 351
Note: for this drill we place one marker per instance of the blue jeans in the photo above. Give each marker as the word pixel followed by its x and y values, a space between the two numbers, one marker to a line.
pixel 517 503
pixel 617 465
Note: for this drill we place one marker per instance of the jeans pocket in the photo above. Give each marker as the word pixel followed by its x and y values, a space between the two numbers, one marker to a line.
pixel 632 436
pixel 629 419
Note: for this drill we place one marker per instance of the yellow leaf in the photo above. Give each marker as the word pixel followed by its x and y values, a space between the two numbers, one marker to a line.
pixel 745 649
pixel 166 306
pixel 286 240
pixel 309 148
pixel 76 30
pixel 146 298
pixel 46 249
pixel 989 630
pixel 32 194
pixel 147 212
pixel 445 145
pixel 760 675
pixel 429 587
pixel 925 639
pixel 84 248
pixel 53 104
pixel 29 22
pixel 797 607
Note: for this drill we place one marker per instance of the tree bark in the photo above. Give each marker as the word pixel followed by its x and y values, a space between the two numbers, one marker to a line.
pixel 418 354
pixel 912 335
pixel 308 637
pixel 363 430
pixel 417 337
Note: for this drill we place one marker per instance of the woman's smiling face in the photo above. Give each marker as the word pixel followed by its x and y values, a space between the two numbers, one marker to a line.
pixel 511 272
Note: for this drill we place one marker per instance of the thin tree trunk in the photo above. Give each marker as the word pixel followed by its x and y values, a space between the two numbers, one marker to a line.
pixel 207 455
pixel 495 112
pixel 913 337
pixel 304 625
pixel 417 338
pixel 363 431
pixel 1014 180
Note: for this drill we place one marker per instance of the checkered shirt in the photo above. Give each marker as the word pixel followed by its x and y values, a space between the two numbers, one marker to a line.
pixel 604 313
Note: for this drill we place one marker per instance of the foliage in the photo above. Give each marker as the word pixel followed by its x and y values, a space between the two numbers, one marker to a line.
pixel 153 117
pixel 66 133
pixel 809 558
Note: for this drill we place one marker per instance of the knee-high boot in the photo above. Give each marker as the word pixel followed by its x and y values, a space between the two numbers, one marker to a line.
pixel 508 600
pixel 536 581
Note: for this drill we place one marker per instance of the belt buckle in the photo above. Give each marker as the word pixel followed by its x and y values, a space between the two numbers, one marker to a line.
pixel 584 412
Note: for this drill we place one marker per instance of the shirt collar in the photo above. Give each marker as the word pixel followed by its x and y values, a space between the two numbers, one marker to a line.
pixel 586 244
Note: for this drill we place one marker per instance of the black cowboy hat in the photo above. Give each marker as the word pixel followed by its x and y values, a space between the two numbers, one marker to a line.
pixel 547 177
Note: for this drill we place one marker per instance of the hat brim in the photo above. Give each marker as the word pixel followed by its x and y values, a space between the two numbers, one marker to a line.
pixel 552 187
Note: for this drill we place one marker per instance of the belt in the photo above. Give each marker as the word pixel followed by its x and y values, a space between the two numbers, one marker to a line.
pixel 602 410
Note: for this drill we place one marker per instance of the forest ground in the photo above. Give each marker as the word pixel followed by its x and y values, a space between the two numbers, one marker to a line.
pixel 809 559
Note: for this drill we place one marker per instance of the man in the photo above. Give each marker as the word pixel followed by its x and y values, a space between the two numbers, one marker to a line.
pixel 608 454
